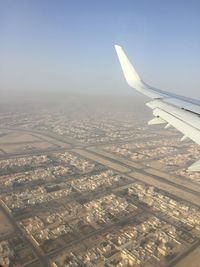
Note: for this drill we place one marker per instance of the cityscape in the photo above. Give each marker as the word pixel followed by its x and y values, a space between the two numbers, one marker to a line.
pixel 99 133
pixel 94 185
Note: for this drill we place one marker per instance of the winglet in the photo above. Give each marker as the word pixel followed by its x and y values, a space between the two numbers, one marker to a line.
pixel 130 73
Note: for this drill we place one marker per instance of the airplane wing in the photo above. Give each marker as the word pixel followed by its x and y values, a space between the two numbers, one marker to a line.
pixel 181 112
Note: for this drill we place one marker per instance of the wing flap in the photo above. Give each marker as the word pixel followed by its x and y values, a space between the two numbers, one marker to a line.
pixel 179 124
pixel 195 167
pixel 189 118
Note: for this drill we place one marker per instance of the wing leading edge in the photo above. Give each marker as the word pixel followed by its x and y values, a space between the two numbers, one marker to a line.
pixel 181 112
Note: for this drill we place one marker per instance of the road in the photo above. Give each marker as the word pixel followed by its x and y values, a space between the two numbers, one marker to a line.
pixel 133 170
pixel 42 258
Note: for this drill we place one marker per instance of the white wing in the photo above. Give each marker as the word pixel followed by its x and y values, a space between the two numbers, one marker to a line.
pixel 181 112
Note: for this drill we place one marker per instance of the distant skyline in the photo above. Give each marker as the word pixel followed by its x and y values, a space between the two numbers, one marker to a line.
pixel 57 45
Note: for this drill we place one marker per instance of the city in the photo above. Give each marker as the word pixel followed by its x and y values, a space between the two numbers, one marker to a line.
pixel 85 189
pixel 99 133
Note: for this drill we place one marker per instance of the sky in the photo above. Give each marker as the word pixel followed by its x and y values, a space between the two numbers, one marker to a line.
pixel 67 45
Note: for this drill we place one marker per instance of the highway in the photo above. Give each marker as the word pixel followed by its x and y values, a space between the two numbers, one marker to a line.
pixel 134 171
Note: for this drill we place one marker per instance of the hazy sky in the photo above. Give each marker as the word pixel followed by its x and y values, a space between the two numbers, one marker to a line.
pixel 68 45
